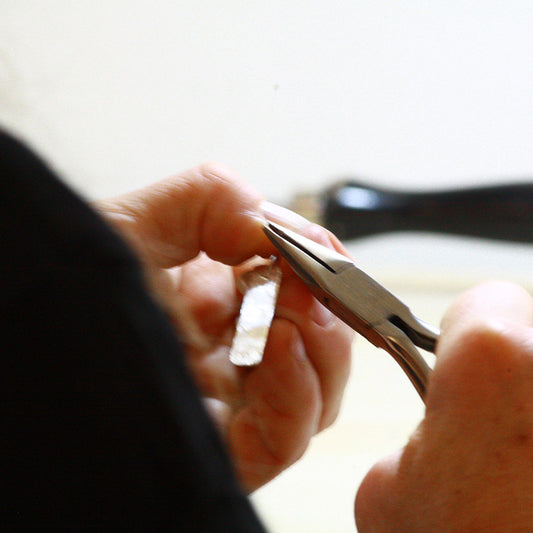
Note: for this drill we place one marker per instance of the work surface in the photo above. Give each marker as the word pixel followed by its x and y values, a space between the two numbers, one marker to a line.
pixel 380 408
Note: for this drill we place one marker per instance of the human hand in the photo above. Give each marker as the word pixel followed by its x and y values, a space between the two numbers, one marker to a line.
pixel 193 232
pixel 469 465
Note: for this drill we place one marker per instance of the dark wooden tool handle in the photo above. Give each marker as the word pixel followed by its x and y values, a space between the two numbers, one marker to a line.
pixel 504 212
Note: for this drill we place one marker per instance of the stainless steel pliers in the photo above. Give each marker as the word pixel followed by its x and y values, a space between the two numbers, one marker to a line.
pixel 360 301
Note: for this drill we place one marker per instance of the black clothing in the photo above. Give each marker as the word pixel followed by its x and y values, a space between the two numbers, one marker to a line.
pixel 102 426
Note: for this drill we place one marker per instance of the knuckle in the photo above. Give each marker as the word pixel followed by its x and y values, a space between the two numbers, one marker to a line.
pixel 491 342
pixel 482 359
pixel 217 175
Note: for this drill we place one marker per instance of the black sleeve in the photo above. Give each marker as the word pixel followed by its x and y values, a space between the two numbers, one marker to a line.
pixel 102 427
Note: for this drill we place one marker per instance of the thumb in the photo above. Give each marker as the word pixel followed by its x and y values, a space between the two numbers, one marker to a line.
pixel 482 373
pixel 207 208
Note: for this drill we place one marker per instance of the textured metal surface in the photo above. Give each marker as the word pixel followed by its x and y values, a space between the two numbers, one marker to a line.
pixel 260 287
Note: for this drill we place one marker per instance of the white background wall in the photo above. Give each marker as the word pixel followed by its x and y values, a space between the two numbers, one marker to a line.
pixel 292 94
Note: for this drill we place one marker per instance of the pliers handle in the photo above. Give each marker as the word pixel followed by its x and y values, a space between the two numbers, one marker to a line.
pixel 360 301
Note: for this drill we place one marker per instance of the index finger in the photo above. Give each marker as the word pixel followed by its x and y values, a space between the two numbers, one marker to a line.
pixel 208 208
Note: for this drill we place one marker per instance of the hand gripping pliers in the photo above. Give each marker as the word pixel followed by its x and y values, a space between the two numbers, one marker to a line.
pixel 360 301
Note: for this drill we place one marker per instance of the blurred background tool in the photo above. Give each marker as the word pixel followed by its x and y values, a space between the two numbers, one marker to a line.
pixel 353 209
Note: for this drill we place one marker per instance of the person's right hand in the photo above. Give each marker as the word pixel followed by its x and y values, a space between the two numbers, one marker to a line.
pixel 469 466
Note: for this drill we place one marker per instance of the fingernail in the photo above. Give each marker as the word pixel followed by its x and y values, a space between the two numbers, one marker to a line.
pixel 321 315
pixel 318 234
pixel 283 216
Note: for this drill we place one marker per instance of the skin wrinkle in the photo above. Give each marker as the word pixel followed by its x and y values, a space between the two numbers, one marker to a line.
pixel 278 376
pixel 203 212
pixel 254 470
pixel 294 317
pixel 251 468
pixel 204 184
pixel 328 415
pixel 282 456
pixel 280 460
pixel 220 187
pixel 140 229
pixel 180 189
pixel 267 400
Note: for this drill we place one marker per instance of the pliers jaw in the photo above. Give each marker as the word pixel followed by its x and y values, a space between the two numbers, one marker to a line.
pixel 311 261
pixel 360 301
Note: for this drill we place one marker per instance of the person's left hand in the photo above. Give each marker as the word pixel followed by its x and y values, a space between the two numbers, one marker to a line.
pixel 192 232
